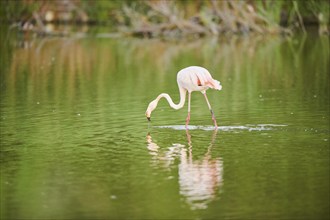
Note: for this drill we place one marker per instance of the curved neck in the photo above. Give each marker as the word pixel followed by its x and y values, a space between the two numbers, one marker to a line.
pixel 169 99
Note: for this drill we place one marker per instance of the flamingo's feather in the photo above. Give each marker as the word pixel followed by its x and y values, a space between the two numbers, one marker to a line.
pixel 204 78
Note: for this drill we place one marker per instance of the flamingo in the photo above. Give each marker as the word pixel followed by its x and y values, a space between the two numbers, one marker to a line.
pixel 189 79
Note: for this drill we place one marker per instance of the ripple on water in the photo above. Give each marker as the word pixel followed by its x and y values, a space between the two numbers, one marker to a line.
pixel 248 127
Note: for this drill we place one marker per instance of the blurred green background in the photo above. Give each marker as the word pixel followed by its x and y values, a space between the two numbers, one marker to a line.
pixel 75 84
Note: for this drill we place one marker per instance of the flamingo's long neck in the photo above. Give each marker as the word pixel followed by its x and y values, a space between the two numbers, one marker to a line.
pixel 169 99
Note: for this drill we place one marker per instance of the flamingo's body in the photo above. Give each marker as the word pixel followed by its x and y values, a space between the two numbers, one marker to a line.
pixel 190 79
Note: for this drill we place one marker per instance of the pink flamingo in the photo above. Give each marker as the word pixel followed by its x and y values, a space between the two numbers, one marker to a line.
pixel 192 78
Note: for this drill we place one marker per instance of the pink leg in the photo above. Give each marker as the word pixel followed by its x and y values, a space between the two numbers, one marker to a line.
pixel 188 116
pixel 213 117
pixel 187 120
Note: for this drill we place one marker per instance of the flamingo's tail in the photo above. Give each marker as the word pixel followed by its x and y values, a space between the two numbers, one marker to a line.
pixel 215 84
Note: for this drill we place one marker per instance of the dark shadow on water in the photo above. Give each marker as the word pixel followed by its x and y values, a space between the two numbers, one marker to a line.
pixel 199 179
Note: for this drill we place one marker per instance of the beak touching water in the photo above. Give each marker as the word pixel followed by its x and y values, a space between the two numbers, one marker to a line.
pixel 148 118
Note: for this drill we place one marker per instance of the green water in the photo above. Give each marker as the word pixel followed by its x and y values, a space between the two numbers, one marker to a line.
pixel 75 143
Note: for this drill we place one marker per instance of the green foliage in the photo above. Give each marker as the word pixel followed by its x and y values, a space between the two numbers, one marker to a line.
pixel 18 10
pixel 271 10
pixel 100 11
pixel 320 9
pixel 270 13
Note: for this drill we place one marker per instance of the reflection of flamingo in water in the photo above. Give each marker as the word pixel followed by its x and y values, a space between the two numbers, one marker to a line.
pixel 199 180
pixel 193 78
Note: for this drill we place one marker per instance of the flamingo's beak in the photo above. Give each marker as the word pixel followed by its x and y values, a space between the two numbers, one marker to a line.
pixel 148 118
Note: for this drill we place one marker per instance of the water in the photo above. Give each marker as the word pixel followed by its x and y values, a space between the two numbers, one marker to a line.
pixel 75 143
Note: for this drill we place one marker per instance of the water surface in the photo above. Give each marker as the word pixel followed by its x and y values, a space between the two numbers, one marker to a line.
pixel 75 143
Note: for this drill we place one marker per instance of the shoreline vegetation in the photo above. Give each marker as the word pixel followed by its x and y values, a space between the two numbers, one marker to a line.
pixel 166 18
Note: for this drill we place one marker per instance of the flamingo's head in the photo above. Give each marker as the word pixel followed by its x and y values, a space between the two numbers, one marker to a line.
pixel 150 108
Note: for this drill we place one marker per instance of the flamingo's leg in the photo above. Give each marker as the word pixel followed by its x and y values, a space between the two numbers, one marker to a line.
pixel 188 116
pixel 208 104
